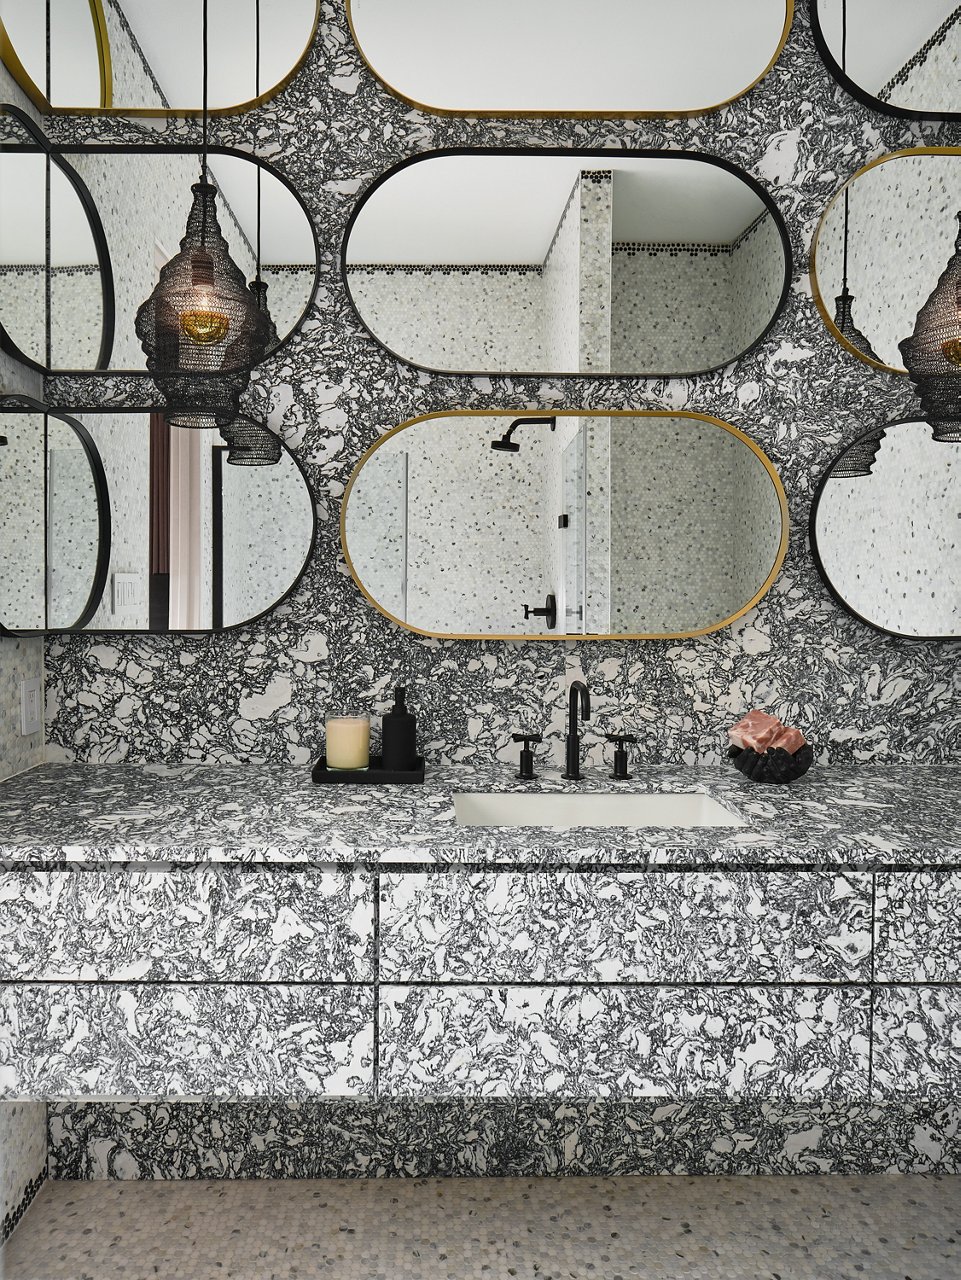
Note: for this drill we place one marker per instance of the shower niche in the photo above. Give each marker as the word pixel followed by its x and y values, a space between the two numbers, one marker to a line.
pixel 627 524
pixel 641 264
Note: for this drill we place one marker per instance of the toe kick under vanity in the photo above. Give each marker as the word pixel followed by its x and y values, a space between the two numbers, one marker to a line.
pixel 226 932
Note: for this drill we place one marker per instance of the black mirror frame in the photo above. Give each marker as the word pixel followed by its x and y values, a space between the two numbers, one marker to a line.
pixel 19 403
pixel 55 156
pixel 13 404
pixel 596 153
pixel 857 91
pixel 816 551
pixel 59 153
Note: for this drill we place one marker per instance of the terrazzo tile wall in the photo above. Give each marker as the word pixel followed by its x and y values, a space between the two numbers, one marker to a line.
pixel 931 76
pixel 560 290
pixel 858 694
pixel 23 1160
pixel 74 291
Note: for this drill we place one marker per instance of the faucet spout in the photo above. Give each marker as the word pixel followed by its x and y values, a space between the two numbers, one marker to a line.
pixel 579 699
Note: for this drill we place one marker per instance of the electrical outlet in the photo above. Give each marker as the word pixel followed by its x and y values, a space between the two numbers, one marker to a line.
pixel 31 707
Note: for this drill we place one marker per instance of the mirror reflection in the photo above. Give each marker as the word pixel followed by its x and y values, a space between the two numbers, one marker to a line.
pixel 575 262
pixel 886 530
pixel 566 526
pixel 191 541
pixel 881 246
pixel 556 57
pixel 141 200
pixel 54 523
pixel 138 55
pixel 896 55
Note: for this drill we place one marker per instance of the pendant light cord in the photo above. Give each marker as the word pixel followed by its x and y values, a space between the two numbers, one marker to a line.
pixel 257 95
pixel 203 161
pixel 844 68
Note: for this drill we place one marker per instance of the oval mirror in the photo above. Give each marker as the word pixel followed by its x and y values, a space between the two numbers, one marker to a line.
pixel 560 262
pixel 194 542
pixel 895 57
pixel 548 57
pixel 143 58
pixel 880 248
pixel 54 523
pixel 885 528
pixel 625 525
pixel 140 233
pixel 69 324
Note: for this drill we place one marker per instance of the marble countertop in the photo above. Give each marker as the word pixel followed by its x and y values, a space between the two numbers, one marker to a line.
pixel 898 816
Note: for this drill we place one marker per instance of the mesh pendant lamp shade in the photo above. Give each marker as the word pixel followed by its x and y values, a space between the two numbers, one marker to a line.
pixel 858 460
pixel 202 320
pixel 932 354
pixel 847 328
pixel 250 444
pixel 258 290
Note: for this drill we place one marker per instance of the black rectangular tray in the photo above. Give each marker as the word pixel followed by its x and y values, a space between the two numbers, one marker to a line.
pixel 376 775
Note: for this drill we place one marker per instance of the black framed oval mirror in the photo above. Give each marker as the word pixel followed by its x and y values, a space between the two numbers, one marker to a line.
pixel 896 57
pixel 886 531
pixel 55 525
pixel 193 543
pixel 880 247
pixel 140 198
pixel 141 58
pixel 552 262
pixel 548 58
pixel 569 526
pixel 57 300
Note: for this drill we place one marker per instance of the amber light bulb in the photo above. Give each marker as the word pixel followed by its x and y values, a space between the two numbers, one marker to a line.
pixel 202 323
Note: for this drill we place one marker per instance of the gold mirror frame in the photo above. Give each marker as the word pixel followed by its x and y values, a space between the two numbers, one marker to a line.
pixel 9 58
pixel 573 413
pixel 816 293
pixel 529 114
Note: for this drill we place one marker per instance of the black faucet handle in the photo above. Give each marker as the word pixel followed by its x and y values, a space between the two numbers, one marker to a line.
pixel 526 771
pixel 621 741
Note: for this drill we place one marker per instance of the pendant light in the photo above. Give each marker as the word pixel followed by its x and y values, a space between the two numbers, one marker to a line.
pixel 859 458
pixel 200 328
pixel 250 444
pixel 932 354
pixel 843 320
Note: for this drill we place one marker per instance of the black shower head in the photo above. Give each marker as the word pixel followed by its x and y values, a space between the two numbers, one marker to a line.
pixel 506 445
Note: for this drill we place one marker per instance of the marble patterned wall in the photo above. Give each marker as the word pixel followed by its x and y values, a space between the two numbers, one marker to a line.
pixel 857 694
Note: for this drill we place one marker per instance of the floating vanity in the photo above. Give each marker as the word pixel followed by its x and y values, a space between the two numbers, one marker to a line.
pixel 225 932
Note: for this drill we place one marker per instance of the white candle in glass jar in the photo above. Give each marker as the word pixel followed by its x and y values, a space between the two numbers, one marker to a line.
pixel 348 742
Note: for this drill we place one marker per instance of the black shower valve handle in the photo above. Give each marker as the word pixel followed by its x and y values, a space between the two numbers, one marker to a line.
pixel 621 741
pixel 526 771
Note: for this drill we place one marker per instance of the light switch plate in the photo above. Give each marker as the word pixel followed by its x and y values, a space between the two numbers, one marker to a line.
pixel 31 707
pixel 126 591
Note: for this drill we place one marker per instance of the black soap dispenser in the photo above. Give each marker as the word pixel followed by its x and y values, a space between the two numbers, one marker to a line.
pixel 399 736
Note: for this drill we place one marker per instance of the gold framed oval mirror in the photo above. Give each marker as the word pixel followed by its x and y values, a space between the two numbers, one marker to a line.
pixel 574 525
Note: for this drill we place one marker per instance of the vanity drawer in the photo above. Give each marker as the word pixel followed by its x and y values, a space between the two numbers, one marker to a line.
pixel 89 1040
pixel 588 1042
pixel 194 924
pixel 627 927
pixel 917 1042
pixel 918 926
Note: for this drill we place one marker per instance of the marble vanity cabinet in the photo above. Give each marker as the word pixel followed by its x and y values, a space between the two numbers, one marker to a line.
pixel 229 932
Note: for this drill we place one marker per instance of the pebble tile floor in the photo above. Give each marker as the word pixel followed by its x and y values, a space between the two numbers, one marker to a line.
pixel 662 1228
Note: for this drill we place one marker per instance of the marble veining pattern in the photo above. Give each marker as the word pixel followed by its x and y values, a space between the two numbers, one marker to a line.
pixel 66 814
pixel 201 925
pixel 567 927
pixel 917 1042
pixel 87 1040
pixel 725 1042
pixel 918 927
pixel 332 391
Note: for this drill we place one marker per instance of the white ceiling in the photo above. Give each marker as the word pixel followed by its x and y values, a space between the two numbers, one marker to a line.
pixel 505 209
pixel 285 231
pixel 614 55
pixel 22 220
pixel 882 34
pixel 170 34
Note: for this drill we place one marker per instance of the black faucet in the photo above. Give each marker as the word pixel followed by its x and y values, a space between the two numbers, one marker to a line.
pixel 578 689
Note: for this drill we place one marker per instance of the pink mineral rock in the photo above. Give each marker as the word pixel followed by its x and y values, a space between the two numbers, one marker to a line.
pixel 756 731
pixel 789 740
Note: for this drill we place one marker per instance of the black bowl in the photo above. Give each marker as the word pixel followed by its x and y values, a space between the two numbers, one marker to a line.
pixel 775 765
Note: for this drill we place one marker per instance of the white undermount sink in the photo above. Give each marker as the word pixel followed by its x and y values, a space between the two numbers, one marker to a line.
pixel 654 809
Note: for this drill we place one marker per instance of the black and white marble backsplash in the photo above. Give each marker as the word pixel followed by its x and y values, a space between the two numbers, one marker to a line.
pixel 859 695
